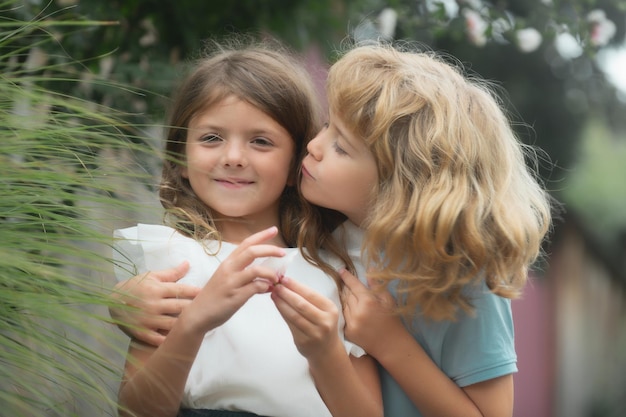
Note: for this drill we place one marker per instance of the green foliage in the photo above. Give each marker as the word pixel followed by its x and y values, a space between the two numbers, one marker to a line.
pixel 60 164
pixel 144 42
pixel 66 159
pixel 543 88
pixel 596 188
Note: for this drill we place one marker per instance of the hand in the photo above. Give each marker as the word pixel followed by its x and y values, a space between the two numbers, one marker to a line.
pixel 369 314
pixel 233 283
pixel 311 317
pixel 150 303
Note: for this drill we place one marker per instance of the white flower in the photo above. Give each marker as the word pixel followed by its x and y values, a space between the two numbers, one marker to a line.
pixel 500 26
pixel 150 35
pixel 528 39
pixel 387 20
pixel 568 46
pixel 450 6
pixel 476 27
pixel 602 29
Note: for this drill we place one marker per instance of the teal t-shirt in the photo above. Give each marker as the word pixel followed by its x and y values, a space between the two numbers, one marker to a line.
pixel 472 349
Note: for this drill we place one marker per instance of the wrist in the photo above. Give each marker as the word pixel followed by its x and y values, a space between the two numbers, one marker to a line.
pixel 320 358
pixel 390 343
pixel 190 326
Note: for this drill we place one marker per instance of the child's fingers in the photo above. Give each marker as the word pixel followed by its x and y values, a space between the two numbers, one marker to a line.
pixel 349 279
pixel 181 291
pixel 151 337
pixel 239 266
pixel 374 285
pixel 306 293
pixel 174 306
pixel 256 286
pixel 243 258
pixel 254 273
pixel 286 302
pixel 172 274
pixel 259 237
pixel 292 302
pixel 304 303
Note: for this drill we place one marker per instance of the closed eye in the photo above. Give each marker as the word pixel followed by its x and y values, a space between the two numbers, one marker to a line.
pixel 339 149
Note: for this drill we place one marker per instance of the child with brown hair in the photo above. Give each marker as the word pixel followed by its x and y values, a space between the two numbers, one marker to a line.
pixel 238 126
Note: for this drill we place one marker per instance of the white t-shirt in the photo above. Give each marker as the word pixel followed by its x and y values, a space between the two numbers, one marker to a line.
pixel 250 363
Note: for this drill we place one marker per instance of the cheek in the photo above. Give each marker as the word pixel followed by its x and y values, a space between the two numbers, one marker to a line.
pixel 365 183
pixel 294 169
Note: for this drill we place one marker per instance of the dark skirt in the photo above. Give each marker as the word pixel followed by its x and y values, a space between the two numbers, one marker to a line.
pixel 189 412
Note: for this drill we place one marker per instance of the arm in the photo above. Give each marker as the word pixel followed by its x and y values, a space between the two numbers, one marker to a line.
pixel 154 378
pixel 149 303
pixel 349 386
pixel 372 325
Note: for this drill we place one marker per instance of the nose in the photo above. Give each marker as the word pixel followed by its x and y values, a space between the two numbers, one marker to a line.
pixel 314 147
pixel 234 154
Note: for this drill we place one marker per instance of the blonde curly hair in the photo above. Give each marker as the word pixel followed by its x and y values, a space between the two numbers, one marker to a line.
pixel 456 202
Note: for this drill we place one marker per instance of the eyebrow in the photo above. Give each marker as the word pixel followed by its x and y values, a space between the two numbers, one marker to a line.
pixel 345 137
pixel 255 131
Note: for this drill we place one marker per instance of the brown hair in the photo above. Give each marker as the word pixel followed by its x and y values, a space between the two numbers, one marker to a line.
pixel 267 75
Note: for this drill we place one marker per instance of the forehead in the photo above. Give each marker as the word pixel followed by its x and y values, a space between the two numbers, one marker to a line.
pixel 346 133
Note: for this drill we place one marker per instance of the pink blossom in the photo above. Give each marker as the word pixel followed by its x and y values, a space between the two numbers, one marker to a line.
pixel 601 29
pixel 476 27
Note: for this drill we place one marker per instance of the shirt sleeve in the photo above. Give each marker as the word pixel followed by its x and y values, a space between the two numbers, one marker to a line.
pixel 128 254
pixel 480 346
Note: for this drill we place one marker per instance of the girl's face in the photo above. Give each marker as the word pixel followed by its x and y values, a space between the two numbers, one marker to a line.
pixel 339 172
pixel 238 161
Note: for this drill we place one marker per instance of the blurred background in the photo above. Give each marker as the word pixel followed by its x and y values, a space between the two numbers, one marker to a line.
pixel 561 67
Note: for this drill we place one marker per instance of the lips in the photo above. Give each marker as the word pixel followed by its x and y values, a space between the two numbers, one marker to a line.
pixel 236 182
pixel 306 173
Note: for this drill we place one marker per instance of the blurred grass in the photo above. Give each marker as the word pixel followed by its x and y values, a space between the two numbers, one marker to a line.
pixel 70 172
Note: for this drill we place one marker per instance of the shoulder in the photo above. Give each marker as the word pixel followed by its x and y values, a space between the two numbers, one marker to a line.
pixel 145 232
pixel 156 247
pixel 477 346
pixel 349 235
pixel 488 307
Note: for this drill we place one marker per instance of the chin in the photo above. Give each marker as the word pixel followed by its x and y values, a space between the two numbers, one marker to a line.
pixel 308 196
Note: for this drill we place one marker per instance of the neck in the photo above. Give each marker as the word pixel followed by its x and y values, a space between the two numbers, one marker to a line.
pixel 235 230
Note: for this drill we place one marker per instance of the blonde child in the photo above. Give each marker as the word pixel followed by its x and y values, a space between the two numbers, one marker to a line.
pixel 239 123
pixel 442 212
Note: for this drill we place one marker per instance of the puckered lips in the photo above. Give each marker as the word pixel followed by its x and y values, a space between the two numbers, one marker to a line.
pixel 306 173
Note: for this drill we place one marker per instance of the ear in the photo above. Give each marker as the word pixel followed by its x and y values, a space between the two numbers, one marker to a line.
pixel 184 171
